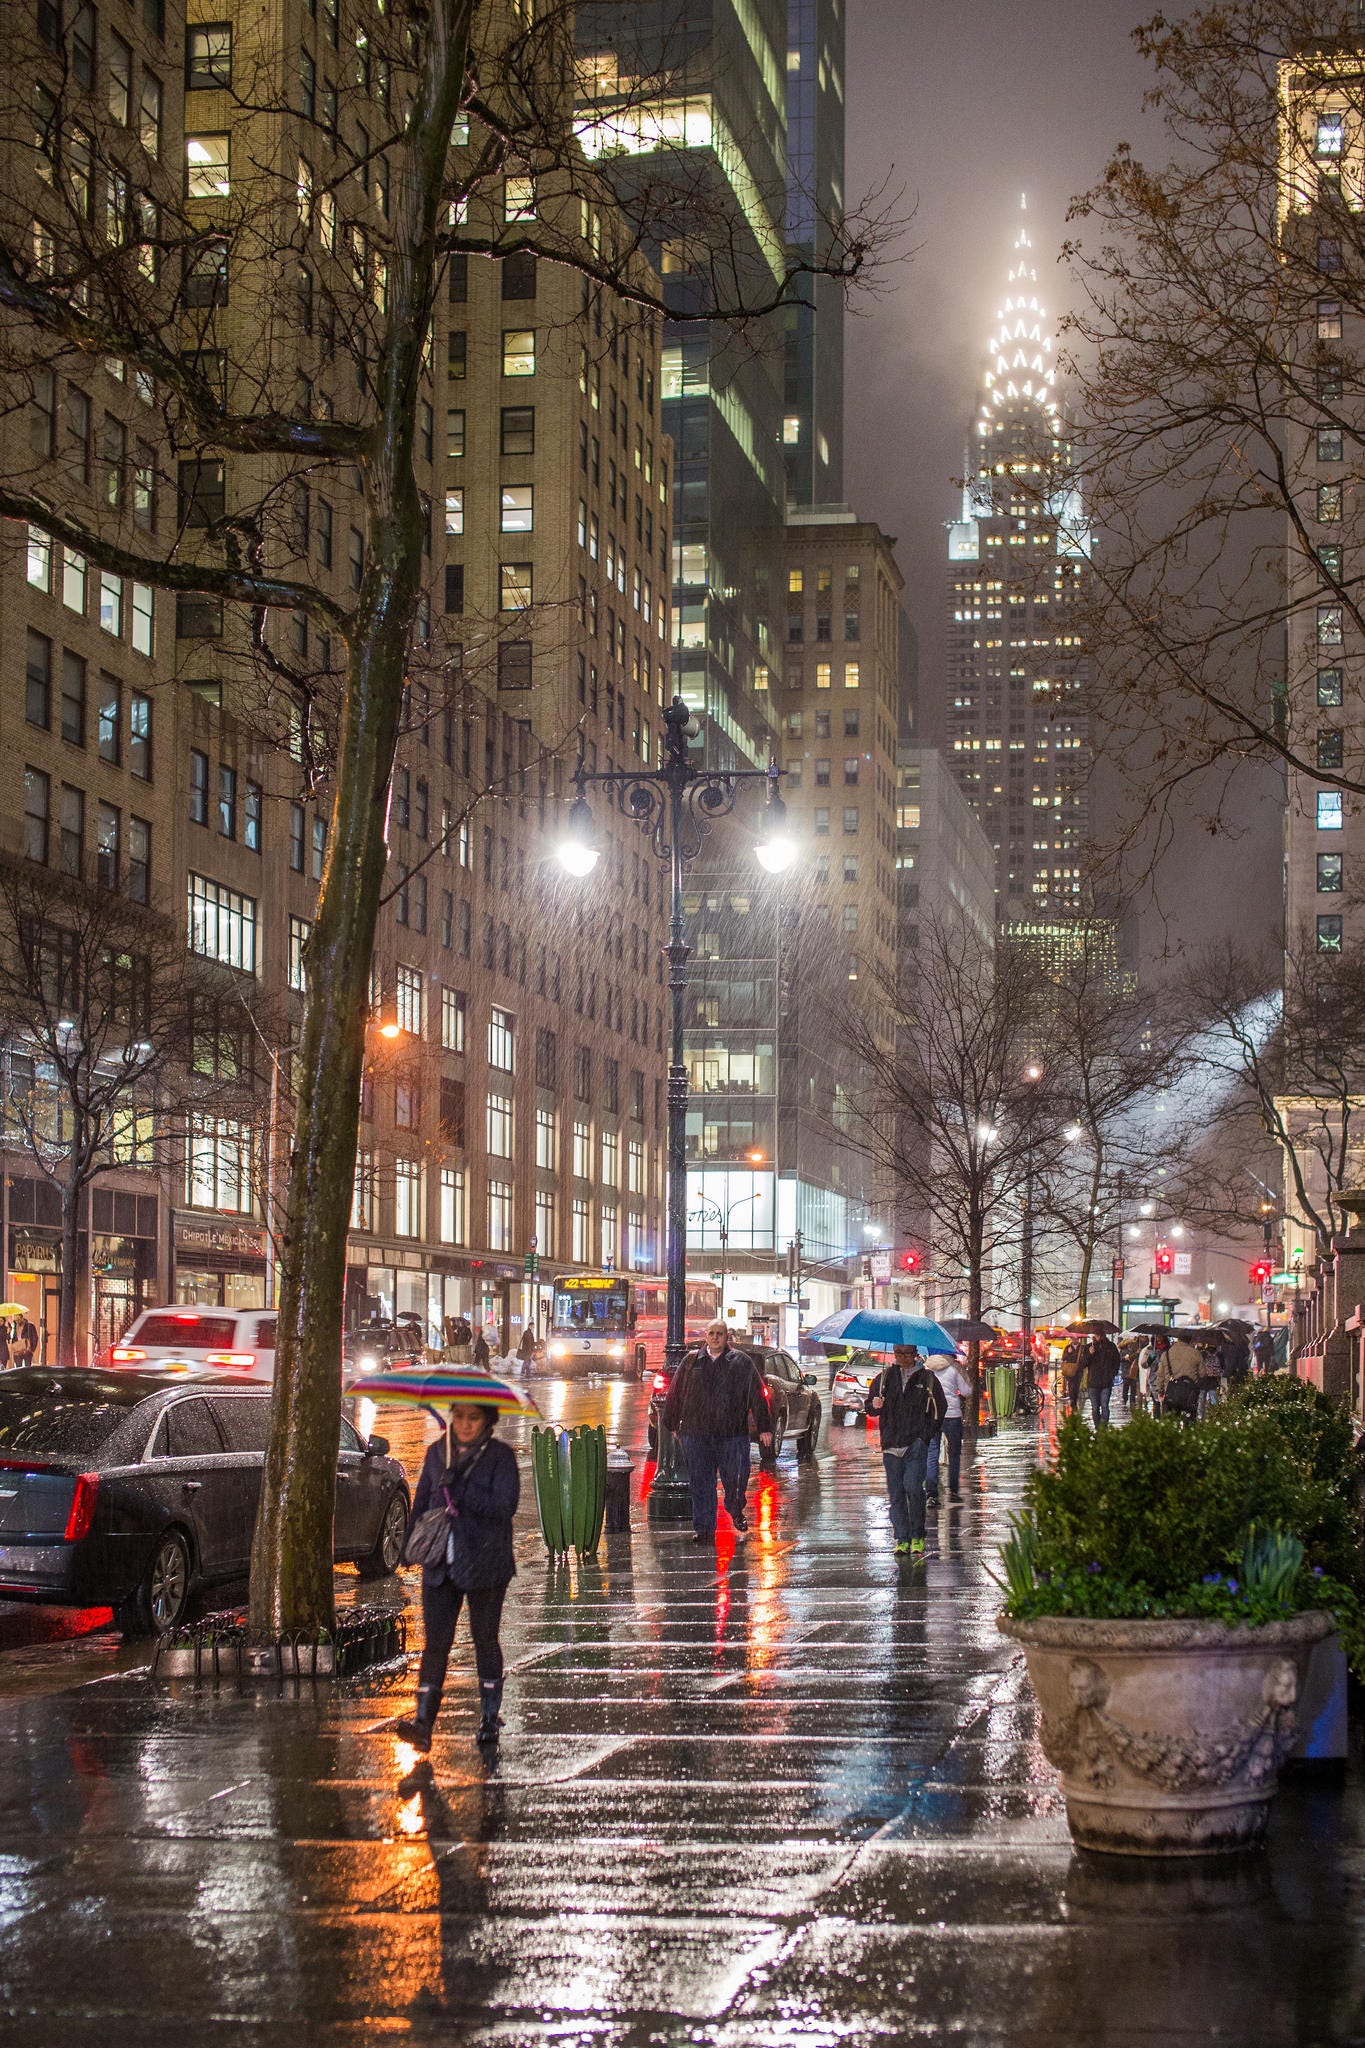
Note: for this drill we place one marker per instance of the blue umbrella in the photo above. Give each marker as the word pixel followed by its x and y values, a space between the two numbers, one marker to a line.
pixel 878 1329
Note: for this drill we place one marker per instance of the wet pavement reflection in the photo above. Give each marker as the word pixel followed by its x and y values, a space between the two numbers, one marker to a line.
pixel 782 1792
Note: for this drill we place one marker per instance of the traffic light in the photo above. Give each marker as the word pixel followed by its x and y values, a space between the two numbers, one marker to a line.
pixel 1165 1259
pixel 1261 1270
pixel 909 1261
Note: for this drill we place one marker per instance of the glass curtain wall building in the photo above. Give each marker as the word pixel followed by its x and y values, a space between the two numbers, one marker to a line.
pixel 813 414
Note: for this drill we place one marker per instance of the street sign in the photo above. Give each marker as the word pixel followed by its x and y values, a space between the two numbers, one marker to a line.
pixel 1285 1279
pixel 1184 1262
pixel 881 1264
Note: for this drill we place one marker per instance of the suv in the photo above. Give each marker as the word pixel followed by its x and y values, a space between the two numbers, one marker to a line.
pixel 239 1341
pixel 795 1404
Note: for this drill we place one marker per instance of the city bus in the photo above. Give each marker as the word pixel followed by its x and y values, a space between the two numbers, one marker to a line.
pixel 615 1322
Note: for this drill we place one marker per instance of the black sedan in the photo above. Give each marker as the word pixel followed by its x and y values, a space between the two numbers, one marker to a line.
pixel 795 1404
pixel 134 1489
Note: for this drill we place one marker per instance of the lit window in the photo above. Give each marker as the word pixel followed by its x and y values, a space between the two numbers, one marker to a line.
pixel 453 1226
pixel 1330 874
pixel 207 167
pixel 514 586
pixel 519 199
pixel 452 1020
pixel 1331 135
pixel 299 928
pixel 791 429
pixel 39 558
pixel 500 1126
pixel 1329 929
pixel 518 509
pixel 853 675
pixel 1329 810
pixel 499 1216
pixel 222 924
pixel 407 1198
pixel 408 1000
pixel 502 1041
pixel 1329 625
pixel 455 511
pixel 519 352
pixel 218 1165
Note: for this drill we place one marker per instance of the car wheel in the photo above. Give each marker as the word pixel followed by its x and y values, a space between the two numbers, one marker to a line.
pixel 159 1603
pixel 810 1436
pixel 384 1560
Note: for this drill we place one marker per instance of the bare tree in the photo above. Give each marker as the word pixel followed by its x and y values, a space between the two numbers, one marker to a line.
pixel 1286 1040
pixel 315 371
pixel 955 1110
pixel 1111 1058
pixel 114 1040
pixel 1216 356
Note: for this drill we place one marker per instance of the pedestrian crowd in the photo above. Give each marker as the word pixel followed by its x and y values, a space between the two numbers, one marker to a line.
pixel 717 1402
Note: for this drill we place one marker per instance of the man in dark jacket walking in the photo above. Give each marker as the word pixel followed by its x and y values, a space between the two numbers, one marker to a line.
pixel 716 1393
pixel 1102 1366
pixel 910 1407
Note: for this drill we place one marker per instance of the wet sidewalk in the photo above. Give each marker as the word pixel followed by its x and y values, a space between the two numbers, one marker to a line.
pixel 789 1795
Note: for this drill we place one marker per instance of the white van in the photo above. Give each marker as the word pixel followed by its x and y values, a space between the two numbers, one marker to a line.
pixel 223 1340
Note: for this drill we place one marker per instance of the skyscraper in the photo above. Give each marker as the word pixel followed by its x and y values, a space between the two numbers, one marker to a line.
pixel 813 414
pixel 1018 739
pixel 697 107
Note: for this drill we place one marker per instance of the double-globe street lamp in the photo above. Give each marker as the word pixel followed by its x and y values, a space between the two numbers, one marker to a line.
pixel 673 804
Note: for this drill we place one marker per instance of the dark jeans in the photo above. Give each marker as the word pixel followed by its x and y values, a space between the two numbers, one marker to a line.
pixel 440 1611
pixel 1100 1397
pixel 708 1458
pixel 1071 1389
pixel 905 1491
pixel 952 1434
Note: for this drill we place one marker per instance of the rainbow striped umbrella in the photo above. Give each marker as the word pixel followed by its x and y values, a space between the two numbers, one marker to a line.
pixel 442 1387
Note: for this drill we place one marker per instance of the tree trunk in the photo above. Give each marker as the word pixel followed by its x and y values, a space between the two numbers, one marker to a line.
pixel 976 1301
pixel 291 1560
pixel 70 1279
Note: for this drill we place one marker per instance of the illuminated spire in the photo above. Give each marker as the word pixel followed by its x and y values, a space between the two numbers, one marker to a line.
pixel 1020 368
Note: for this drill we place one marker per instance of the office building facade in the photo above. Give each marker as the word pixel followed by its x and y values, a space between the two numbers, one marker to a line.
pixel 513 1093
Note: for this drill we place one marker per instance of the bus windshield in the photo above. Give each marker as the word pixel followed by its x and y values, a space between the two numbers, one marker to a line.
pixel 603 1308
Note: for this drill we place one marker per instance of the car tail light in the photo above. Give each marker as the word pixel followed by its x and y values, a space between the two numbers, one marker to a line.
pixel 187 1319
pixel 845 1379
pixel 235 1361
pixel 82 1510
pixel 127 1354
pixel 660 1383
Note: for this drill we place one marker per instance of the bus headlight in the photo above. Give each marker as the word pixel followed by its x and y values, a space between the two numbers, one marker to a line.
pixel 559 1351
pixel 616 1351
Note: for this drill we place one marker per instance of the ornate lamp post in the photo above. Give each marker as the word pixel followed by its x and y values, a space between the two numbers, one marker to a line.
pixel 673 804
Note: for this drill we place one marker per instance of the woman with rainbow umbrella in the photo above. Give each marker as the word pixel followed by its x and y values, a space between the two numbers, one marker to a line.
pixel 462 1520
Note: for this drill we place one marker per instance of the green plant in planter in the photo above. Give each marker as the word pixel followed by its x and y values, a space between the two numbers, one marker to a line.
pixel 1224 1522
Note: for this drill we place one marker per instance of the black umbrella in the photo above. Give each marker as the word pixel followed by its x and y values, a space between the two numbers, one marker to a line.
pixel 1096 1325
pixel 1152 1330
pixel 965 1331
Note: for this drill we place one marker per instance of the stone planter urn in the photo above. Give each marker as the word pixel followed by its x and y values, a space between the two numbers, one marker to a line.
pixel 1168 1735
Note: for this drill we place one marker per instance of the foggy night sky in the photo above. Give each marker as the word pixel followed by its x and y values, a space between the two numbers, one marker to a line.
pixel 965 106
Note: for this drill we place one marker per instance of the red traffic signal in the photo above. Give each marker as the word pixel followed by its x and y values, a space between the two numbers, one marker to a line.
pixel 1261 1271
pixel 1165 1259
pixel 909 1261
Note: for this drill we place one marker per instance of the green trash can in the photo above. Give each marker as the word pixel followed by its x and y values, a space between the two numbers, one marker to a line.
pixel 570 1467
pixel 1004 1390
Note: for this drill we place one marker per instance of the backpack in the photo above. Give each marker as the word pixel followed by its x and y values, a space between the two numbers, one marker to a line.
pixel 1182 1396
